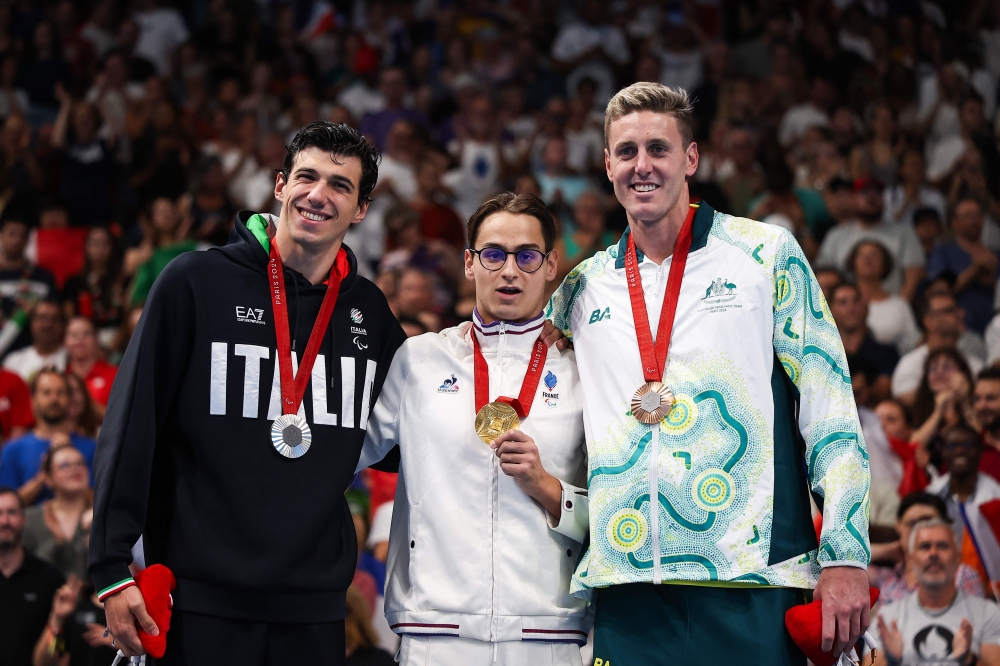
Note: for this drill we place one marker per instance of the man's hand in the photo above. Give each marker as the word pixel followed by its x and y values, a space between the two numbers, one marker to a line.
pixel 552 334
pixel 962 643
pixel 64 601
pixel 94 635
pixel 124 609
pixel 519 459
pixel 846 607
pixel 892 639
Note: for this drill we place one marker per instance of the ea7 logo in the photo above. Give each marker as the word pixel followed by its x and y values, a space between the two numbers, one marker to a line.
pixel 600 315
pixel 249 315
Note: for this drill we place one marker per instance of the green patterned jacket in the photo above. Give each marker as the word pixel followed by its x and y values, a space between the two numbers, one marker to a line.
pixel 763 416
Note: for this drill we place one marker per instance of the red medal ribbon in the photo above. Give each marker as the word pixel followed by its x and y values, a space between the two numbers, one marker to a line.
pixel 522 403
pixel 293 385
pixel 654 355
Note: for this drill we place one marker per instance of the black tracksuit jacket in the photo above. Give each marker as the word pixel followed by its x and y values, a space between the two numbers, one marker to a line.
pixel 185 455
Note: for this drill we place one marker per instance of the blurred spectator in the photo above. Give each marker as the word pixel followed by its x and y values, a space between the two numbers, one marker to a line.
pixel 938 623
pixel 943 398
pixel 810 113
pixel 27 585
pixel 86 362
pixel 163 240
pixel 46 324
pixel 82 412
pixel 586 235
pixel 890 318
pixel 850 312
pixel 482 154
pixel 879 155
pixel 828 278
pixel 82 624
pixel 161 30
pixel 21 283
pixel 964 489
pixel 15 406
pixel 886 467
pixel 360 636
pixel 591 47
pixel 376 125
pixel 943 329
pixel 560 187
pixel 783 199
pixel 42 70
pixel 896 582
pixel 58 530
pixel 902 243
pixel 85 173
pixel 13 99
pixel 974 266
pixel 397 171
pixel 927 226
pixel 21 459
pixel 211 211
pixel 437 219
pixel 746 180
pixel 98 293
pixel 986 404
pixel 912 193
pixel 415 298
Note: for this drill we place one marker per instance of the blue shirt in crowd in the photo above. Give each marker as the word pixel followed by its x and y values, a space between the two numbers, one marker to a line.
pixel 22 458
pixel 977 298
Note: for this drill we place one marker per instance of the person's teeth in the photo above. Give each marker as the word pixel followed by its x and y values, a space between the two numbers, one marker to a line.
pixel 312 216
pixel 645 188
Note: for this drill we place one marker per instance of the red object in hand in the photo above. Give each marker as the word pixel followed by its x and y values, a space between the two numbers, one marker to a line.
pixel 805 624
pixel 156 583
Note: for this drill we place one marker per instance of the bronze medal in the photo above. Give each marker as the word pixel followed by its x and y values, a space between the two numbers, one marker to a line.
pixel 651 403
pixel 494 419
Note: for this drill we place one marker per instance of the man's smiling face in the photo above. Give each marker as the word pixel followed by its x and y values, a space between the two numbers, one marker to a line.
pixel 320 199
pixel 647 162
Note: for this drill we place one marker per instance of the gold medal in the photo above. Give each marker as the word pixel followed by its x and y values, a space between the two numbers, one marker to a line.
pixel 494 419
pixel 651 403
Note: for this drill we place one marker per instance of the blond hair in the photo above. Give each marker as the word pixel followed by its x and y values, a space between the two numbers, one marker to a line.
pixel 655 97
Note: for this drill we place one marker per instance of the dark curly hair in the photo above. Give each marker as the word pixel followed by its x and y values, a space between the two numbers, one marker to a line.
pixel 340 141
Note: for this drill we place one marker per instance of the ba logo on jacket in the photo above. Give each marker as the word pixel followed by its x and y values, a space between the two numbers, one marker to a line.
pixel 600 315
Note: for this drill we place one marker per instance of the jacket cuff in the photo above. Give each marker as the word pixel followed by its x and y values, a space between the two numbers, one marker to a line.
pixel 574 515
pixel 111 578
pixel 844 563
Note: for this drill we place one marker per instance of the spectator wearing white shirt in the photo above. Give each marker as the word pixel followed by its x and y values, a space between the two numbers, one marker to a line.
pixel 901 241
pixel 593 48
pixel 161 31
pixel 47 324
pixel 890 318
pixel 810 113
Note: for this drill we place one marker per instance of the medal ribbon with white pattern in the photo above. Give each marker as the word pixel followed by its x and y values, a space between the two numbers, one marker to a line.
pixel 652 402
pixel 290 433
pixel 503 414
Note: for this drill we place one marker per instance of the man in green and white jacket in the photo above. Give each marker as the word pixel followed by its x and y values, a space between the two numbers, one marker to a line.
pixel 763 414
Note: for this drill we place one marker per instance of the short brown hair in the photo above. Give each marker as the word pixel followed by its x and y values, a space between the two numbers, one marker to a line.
pixel 655 97
pixel 516 204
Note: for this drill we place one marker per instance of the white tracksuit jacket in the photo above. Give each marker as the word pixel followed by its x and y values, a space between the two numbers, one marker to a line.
pixel 470 554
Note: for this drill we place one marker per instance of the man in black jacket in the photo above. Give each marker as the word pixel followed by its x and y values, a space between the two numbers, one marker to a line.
pixel 237 419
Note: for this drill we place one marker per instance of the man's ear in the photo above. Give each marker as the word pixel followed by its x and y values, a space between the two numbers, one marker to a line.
pixel 279 187
pixel 362 211
pixel 607 164
pixel 469 258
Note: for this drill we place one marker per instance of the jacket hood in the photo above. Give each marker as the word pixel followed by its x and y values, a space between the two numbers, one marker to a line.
pixel 246 249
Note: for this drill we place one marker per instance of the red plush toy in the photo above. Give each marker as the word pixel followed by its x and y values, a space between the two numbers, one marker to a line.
pixel 156 583
pixel 805 624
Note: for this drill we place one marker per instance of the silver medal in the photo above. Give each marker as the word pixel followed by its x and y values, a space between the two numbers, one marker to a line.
pixel 291 436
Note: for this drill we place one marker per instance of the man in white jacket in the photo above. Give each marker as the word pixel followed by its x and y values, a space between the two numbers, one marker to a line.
pixel 491 508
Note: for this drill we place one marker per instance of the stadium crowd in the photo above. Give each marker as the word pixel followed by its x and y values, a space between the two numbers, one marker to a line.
pixel 132 131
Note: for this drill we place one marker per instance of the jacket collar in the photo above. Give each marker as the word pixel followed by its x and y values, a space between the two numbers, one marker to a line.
pixel 701 226
pixel 518 336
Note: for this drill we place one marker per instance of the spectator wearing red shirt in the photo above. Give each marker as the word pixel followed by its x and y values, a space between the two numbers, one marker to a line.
pixel 84 360
pixel 986 403
pixel 16 417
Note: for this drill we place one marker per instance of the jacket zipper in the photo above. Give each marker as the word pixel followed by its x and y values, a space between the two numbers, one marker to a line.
pixel 495 508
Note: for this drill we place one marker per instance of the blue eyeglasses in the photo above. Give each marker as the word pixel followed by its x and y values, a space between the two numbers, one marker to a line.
pixel 494 258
